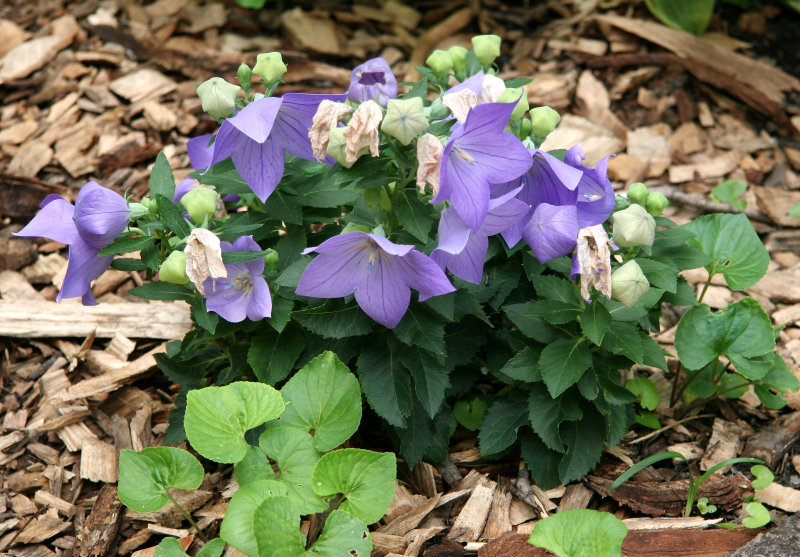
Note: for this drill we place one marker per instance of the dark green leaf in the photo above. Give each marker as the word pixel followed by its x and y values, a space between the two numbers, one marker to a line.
pixel 128 264
pixel 162 181
pixel 531 323
pixel 284 207
pixel 208 320
pixel 126 244
pixel 231 257
pixel 162 291
pixel 272 354
pixel 172 216
pixel 334 319
pixel 431 377
pixel 585 440
pixel 547 414
pixel 663 273
pixel 523 366
pixel 419 327
pixel 595 321
pixel 413 215
pixel 562 363
pixel 386 384
pixel 541 461
pixel 623 338
pixel 502 422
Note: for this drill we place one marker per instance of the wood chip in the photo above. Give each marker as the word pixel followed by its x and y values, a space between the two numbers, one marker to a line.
pixel 597 141
pixel 780 496
pixel 64 507
pixel 43 527
pixel 726 442
pixel 101 526
pixel 470 521
pixel 311 33
pixel 499 520
pixel 31 158
pixel 142 84
pixel 576 496
pixel 98 462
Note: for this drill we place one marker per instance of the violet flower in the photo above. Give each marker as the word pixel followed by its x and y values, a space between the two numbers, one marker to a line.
pixel 372 80
pixel 462 251
pixel 564 197
pixel 479 153
pixel 380 273
pixel 244 292
pixel 259 135
pixel 98 216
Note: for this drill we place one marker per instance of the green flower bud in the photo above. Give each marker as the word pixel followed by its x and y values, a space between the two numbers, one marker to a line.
pixel 353 227
pixel 218 96
pixel 437 110
pixel 138 210
pixel 544 120
pixel 637 193
pixel 173 269
pixel 269 67
pixel 271 260
pixel 486 48
pixel 620 203
pixel 633 227
pixel 337 145
pixel 656 203
pixel 512 94
pixel 458 54
pixel 245 74
pixel 200 202
pixel 440 62
pixel 525 128
pixel 404 119
pixel 628 283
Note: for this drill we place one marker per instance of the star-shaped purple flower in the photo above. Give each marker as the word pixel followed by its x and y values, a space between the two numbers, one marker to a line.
pixel 372 80
pixel 244 292
pixel 478 154
pixel 381 274
pixel 98 216
pixel 462 251
pixel 259 135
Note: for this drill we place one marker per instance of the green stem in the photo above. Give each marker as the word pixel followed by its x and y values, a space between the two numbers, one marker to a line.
pixel 187 515
pixel 676 391
pixel 705 288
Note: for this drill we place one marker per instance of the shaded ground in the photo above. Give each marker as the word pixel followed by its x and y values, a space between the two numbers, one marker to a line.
pixel 103 86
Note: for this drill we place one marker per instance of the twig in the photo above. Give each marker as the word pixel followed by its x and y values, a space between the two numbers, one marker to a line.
pixel 666 427
pixel 676 194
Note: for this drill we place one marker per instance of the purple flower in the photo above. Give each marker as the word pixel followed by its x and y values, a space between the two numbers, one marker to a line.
pixel 244 292
pixel 372 80
pixel 564 197
pixel 98 216
pixel 463 251
pixel 259 135
pixel 380 273
pixel 480 153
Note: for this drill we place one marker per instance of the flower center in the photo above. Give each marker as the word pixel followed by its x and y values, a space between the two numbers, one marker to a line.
pixel 464 155
pixel 243 282
pixel 372 78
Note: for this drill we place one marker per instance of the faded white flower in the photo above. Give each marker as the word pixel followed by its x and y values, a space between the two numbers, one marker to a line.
pixel 491 89
pixel 594 260
pixel 326 118
pixel 460 103
pixel 363 130
pixel 203 258
pixel 429 155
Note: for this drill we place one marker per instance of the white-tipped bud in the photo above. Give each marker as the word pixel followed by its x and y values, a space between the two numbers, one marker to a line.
pixel 404 119
pixel 628 283
pixel 218 97
pixel 633 226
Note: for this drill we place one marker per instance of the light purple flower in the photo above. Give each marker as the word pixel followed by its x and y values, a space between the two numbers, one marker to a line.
pixel 259 135
pixel 480 153
pixel 372 80
pixel 462 251
pixel 244 292
pixel 380 273
pixel 98 216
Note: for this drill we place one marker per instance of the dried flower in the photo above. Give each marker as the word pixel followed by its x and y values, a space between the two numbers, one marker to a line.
pixel 203 258
pixel 325 119
pixel 460 102
pixel 429 156
pixel 592 260
pixel 362 131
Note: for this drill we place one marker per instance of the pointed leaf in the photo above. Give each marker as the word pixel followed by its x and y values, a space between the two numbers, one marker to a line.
pixel 145 476
pixel 562 363
pixel 343 535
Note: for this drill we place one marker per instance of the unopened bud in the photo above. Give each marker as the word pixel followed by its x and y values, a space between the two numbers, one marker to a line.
pixel 200 203
pixel 173 269
pixel 440 62
pixel 633 227
pixel 218 97
pixel 525 128
pixel 353 227
pixel 437 110
pixel 458 54
pixel 628 283
pixel 138 210
pixel 271 260
pixel 515 94
pixel 405 119
pixel 269 67
pixel 637 193
pixel 544 120
pixel 337 147
pixel 245 74
pixel 486 48
pixel 656 203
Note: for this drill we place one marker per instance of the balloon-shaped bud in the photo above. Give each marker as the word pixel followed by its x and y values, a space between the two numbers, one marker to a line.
pixel 405 119
pixel 173 269
pixel 515 94
pixel 271 260
pixel 138 210
pixel 620 203
pixel 269 67
pixel 544 120
pixel 637 193
pixel 245 75
pixel 633 226
pixel 486 48
pixel 458 55
pixel 218 97
pixel 200 203
pixel 656 203
pixel 628 283
pixel 440 62
pixel 525 128
pixel 337 147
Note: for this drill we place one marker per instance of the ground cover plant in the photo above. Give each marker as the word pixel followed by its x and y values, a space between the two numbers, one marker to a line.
pixel 311 218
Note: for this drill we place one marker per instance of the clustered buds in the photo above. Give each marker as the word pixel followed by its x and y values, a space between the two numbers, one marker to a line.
pixel 440 62
pixel 654 202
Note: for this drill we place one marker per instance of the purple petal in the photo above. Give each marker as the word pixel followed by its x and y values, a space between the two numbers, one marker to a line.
pixel 100 214
pixel 182 189
pixel 260 304
pixel 390 247
pixel 468 263
pixel 294 119
pixel 552 231
pixel 334 275
pixel 513 234
pixel 383 295
pixel 574 156
pixel 260 165
pixel 503 213
pixel 422 274
pixel 474 84
pixel 453 232
pixel 256 119
pixel 199 151
pixel 551 181
pixel 372 80
pixel 468 189
pixel 596 196
pixel 349 241
pixel 54 221
pixel 226 300
pixel 84 266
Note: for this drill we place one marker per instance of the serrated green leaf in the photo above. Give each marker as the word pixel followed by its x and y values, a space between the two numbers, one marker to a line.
pixel 126 244
pixel 290 277
pixel 531 323
pixel 128 264
pixel 502 422
pixel 562 363
pixel 145 476
pixel 523 366
pixel 661 273
pixel 623 338
pixel 541 461
pixel 162 291
pixel 218 417
pixel 643 388
pixel 284 207
pixel 334 319
pixel 556 312
pixel 162 182
pixel 172 216
pixel 343 535
pixel 419 327
pixel 386 384
pixel 208 320
pixel 580 533
pixel 585 440
pixel 324 399
pixel 272 354
pixel 431 377
pixel 733 246
pixel 547 414
pixel 741 329
pixel 253 467
pixel 237 525
pixel 413 215
pixel 365 478
pixel 595 321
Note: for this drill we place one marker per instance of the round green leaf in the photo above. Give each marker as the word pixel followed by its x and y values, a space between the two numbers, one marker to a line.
pixel 293 450
pixel 644 388
pixel 324 399
pixel 580 533
pixel 213 548
pixel 145 476
pixel 253 467
pixel 237 526
pixel 170 547
pixel 344 534
pixel 218 417
pixel 759 515
pixel 763 476
pixel 276 525
pixel 365 478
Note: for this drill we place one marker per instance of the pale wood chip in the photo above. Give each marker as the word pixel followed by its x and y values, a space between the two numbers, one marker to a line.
pixel 406 522
pixel 725 442
pixel 43 527
pixel 499 520
pixel 470 521
pixel 576 496
pixel 98 462
pixel 44 497
pixel 311 33
pixel 142 84
pixel 100 529
pixel 30 159
pixel 669 523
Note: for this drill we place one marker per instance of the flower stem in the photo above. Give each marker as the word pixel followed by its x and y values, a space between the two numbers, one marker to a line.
pixel 186 514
